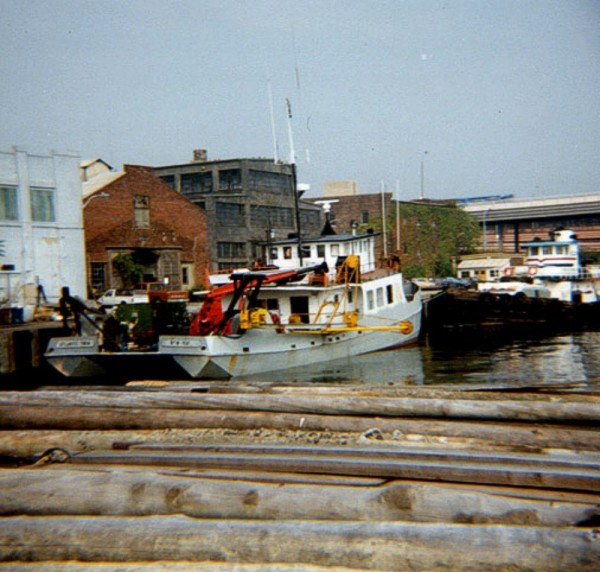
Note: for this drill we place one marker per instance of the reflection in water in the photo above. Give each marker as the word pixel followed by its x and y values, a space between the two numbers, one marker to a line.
pixel 485 358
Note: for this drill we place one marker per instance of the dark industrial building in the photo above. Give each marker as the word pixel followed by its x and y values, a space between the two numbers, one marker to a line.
pixel 248 203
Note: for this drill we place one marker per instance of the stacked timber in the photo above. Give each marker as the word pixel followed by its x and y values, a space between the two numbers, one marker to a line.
pixel 242 478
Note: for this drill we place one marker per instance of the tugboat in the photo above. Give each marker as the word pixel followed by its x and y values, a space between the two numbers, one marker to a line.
pixel 552 288
pixel 326 300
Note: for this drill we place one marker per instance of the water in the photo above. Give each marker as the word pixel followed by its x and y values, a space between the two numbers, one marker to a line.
pixel 491 359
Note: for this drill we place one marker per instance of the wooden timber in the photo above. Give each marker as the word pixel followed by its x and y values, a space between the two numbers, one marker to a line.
pixel 264 480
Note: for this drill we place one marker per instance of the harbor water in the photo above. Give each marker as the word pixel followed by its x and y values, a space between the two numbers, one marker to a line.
pixel 490 359
pixel 471 359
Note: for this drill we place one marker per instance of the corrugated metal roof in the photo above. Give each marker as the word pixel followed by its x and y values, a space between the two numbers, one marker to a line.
pixel 514 209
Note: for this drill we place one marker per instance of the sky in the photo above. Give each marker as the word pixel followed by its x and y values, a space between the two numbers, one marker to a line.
pixel 445 99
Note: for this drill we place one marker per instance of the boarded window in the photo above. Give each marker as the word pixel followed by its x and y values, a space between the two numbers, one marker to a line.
pixel 142 211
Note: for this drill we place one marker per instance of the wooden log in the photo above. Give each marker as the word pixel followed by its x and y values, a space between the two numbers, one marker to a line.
pixel 370 546
pixel 136 421
pixel 567 408
pixel 121 492
pixel 166 567
pixel 516 474
pixel 379 452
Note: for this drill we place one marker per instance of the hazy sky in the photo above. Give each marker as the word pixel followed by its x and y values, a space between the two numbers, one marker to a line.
pixel 494 96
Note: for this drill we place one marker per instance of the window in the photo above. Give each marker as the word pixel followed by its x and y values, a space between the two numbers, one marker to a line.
pixel 320 251
pixel 231 249
pixel 271 217
pixel 42 205
pixel 186 273
pixel 379 297
pixel 194 183
pixel 370 300
pixel 169 180
pixel 230 214
pixel 390 294
pixel 98 275
pixel 8 203
pixel 266 181
pixel 230 180
pixel 142 211
pixel 364 217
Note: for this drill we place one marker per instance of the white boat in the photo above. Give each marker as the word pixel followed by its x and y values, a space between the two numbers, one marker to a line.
pixel 268 319
pixel 553 270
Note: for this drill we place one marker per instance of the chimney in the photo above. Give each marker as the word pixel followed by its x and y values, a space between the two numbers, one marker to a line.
pixel 199 155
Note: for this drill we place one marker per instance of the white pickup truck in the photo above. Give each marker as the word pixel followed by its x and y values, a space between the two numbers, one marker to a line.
pixel 114 297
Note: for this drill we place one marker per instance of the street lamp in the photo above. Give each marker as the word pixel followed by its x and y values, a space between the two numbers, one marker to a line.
pixel 423 175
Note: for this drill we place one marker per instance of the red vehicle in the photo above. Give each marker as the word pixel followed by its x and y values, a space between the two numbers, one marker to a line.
pixel 160 291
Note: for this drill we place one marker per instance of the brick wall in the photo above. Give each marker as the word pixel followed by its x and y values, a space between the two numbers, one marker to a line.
pixel 175 222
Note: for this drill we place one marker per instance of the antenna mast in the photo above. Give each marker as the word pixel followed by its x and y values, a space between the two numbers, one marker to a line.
pixel 294 178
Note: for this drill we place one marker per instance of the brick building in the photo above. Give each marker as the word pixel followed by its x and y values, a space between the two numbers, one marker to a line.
pixel 249 202
pixel 347 212
pixel 134 212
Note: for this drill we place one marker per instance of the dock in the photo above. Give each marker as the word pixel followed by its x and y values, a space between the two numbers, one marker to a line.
pixel 233 477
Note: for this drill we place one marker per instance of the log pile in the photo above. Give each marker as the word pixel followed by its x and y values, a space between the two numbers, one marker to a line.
pixel 240 478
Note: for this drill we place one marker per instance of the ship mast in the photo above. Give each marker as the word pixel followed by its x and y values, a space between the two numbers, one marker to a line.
pixel 294 179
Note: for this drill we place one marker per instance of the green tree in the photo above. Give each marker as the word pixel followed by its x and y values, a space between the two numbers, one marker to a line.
pixel 432 235
pixel 128 270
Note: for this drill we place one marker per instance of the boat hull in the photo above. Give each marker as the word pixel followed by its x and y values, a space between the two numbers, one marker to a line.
pixel 257 351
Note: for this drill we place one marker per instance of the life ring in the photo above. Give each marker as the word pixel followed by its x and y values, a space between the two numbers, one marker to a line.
pixel 532 270
pixel 509 271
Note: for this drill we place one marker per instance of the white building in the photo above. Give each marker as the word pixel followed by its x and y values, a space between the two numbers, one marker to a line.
pixel 41 227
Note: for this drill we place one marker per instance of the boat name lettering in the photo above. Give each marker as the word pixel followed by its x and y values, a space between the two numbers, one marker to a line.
pixel 181 343
pixel 70 344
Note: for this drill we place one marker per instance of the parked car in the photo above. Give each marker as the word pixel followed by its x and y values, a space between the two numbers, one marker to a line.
pixel 114 297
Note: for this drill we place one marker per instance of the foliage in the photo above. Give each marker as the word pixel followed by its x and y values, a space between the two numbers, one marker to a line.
pixel 432 235
pixel 128 270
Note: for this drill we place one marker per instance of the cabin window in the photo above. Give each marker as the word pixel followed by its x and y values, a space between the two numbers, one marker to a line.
pixel 389 293
pixel 320 251
pixel 274 254
pixel 335 250
pixel 8 203
pixel 379 297
pixel 547 250
pixel 287 252
pixel 370 300
pixel 535 250
pixel 42 205
pixel 299 307
pixel 141 209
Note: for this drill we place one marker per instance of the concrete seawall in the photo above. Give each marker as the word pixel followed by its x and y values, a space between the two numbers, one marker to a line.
pixel 22 347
